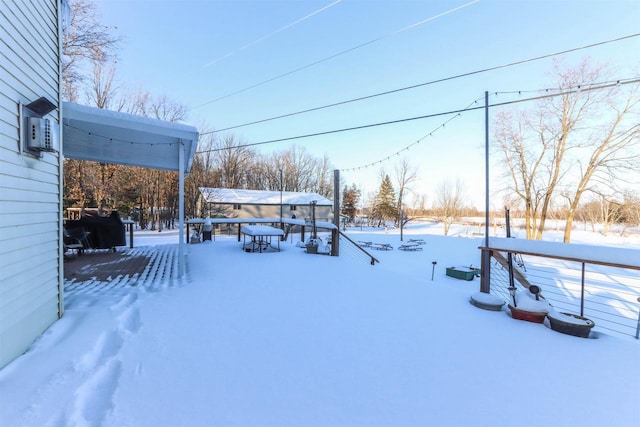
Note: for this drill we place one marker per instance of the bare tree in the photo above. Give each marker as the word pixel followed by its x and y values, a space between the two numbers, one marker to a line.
pixel 232 160
pixel 614 147
pixel 448 206
pixel 85 40
pixel 568 142
pixel 103 89
pixel 405 175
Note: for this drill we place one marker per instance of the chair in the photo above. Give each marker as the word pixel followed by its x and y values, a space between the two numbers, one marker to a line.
pixel 76 239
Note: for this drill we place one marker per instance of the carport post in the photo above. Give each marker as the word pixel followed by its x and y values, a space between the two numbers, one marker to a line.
pixel 181 208
pixel 335 236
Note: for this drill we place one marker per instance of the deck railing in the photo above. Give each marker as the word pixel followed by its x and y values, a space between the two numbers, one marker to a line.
pixel 602 284
pixel 348 246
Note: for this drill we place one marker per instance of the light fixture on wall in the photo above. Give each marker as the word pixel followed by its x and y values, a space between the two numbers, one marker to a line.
pixel 39 134
pixel 41 106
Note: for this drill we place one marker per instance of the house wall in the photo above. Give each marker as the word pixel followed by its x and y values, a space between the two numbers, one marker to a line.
pixel 31 275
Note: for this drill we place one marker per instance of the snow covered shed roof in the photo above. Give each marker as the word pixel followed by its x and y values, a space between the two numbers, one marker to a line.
pixel 261 197
pixel 106 136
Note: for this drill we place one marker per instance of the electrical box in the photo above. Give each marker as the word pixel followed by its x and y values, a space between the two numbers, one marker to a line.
pixel 42 135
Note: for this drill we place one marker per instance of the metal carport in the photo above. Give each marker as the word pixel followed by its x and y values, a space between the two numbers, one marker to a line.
pixel 106 136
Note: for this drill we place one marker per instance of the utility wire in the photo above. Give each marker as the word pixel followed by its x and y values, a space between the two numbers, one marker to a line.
pixel 271 34
pixel 390 122
pixel 336 54
pixel 444 79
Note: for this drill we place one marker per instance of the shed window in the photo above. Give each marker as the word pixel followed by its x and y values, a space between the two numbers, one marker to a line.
pixel 237 206
pixel 293 208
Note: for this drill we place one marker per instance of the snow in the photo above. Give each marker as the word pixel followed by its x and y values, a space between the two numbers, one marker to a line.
pixel 261 230
pixel 486 298
pixel 528 302
pixel 292 339
pixel 612 255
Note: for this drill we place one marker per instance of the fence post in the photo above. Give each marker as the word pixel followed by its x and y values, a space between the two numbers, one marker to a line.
pixel 485 274
pixel 638 327
pixel 582 293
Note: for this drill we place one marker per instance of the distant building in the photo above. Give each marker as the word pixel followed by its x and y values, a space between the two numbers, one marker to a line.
pixel 233 203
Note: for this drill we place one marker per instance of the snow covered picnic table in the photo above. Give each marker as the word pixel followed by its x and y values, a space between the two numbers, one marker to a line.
pixel 410 247
pixel 376 246
pixel 261 236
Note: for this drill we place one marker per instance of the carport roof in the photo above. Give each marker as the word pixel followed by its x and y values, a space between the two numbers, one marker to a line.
pixel 106 136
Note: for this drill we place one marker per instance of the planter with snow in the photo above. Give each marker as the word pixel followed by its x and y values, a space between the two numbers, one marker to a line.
pixel 570 324
pixel 487 301
pixel 463 273
pixel 529 316
pixel 529 307
pixel 312 245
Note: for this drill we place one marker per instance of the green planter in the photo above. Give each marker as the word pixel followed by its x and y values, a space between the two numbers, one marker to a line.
pixel 463 273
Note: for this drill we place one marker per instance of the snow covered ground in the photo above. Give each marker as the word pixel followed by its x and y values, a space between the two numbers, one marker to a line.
pixel 292 339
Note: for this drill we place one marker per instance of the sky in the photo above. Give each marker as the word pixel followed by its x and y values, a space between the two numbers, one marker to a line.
pixel 236 62
pixel 277 340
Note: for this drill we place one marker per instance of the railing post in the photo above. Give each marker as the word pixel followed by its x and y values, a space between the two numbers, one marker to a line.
pixel 485 275
pixel 638 327
pixel 582 293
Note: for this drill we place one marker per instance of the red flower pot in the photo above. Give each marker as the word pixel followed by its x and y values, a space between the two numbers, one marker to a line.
pixel 529 316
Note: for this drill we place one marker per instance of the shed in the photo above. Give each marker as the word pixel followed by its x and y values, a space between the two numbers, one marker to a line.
pixel 237 203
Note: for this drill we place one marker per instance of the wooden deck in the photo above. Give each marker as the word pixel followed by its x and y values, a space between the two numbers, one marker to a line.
pixel 103 265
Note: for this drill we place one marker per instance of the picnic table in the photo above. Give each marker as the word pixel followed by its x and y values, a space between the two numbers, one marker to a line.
pixel 410 247
pixel 376 246
pixel 261 238
pixel 381 246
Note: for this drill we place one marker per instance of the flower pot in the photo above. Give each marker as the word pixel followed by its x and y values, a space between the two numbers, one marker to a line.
pixel 312 249
pixel 570 324
pixel 529 316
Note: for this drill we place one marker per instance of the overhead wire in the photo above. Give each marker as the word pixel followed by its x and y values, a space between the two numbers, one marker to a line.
pixel 271 34
pixel 431 82
pixel 335 55
pixel 560 91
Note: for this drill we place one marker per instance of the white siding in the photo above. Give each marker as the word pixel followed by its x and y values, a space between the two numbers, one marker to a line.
pixel 30 190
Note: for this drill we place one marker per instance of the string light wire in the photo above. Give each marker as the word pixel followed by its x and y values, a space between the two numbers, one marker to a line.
pixel 559 92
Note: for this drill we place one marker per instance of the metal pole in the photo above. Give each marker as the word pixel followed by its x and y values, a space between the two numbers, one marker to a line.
pixel 181 260
pixel 281 224
pixel 335 242
pixel 638 327
pixel 485 281
pixel 582 293
pixel 512 285
pixel 486 169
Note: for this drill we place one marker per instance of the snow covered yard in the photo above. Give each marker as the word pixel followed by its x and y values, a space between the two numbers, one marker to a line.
pixel 292 339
